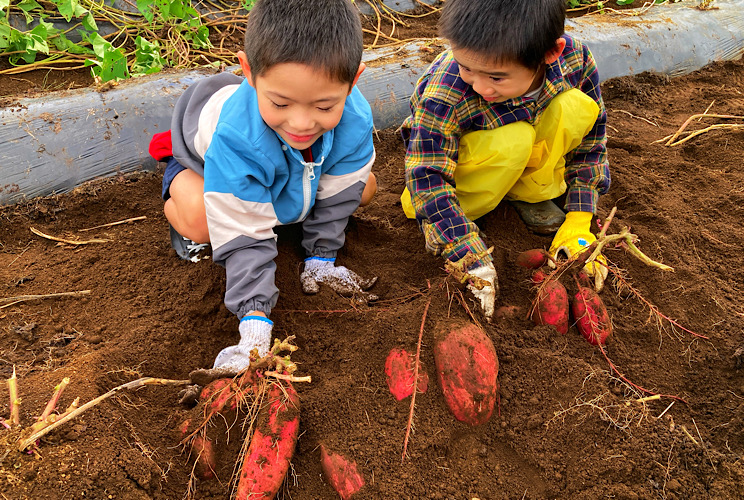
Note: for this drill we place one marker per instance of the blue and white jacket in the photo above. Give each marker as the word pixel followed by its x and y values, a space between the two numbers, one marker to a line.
pixel 254 181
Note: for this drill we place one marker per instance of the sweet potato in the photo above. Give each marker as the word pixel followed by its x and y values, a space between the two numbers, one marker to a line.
pixel 551 306
pixel 467 369
pixel 399 367
pixel 202 451
pixel 341 473
pixel 591 316
pixel 533 259
pixel 272 445
pixel 539 275
pixel 219 394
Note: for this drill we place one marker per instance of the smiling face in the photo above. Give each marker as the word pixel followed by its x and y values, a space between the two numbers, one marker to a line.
pixel 496 81
pixel 299 102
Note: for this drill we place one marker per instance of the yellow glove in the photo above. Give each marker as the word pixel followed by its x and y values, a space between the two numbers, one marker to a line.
pixel 572 237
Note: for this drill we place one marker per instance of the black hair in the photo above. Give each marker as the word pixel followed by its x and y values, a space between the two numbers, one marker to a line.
pixel 323 34
pixel 521 31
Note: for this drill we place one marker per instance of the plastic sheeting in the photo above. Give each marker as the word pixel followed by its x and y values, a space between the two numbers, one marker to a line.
pixel 53 144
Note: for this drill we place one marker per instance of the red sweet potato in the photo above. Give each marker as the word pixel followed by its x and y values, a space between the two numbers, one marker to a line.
pixel 467 369
pixel 272 445
pixel 341 473
pixel 591 316
pixel 219 394
pixel 539 275
pixel 206 461
pixel 551 306
pixel 399 367
pixel 533 259
pixel 202 451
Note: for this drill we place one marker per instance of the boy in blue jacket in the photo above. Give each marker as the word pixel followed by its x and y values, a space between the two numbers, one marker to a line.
pixel 512 111
pixel 289 143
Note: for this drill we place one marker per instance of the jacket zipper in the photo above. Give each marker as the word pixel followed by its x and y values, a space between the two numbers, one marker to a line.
pixel 308 175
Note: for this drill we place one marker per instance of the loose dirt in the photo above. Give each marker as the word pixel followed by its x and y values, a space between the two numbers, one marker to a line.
pixel 565 425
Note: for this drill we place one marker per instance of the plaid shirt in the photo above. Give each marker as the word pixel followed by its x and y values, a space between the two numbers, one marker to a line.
pixel 443 107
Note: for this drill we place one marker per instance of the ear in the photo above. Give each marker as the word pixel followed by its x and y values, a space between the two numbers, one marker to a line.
pixel 361 69
pixel 555 52
pixel 245 67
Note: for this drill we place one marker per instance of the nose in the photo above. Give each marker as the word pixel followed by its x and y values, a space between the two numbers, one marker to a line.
pixel 302 121
pixel 482 86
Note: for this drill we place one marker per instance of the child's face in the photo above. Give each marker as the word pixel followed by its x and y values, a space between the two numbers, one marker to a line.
pixel 496 81
pixel 298 102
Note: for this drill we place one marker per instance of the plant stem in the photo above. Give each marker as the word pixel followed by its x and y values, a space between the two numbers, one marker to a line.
pixel 415 382
pixel 15 402
pixel 69 415
pixel 52 404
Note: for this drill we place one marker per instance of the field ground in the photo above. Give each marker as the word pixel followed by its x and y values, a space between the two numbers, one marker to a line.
pixel 566 426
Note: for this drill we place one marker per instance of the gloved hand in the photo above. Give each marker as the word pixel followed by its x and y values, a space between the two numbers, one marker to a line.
pixel 344 281
pixel 573 236
pixel 487 294
pixel 255 333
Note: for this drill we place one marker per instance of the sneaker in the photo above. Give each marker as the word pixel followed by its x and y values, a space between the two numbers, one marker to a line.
pixel 542 218
pixel 186 248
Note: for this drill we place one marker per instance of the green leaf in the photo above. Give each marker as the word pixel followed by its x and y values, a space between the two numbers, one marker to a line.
pixel 89 22
pixel 26 7
pixel 4 36
pixel 147 57
pixel 145 7
pixel 66 8
pixel 114 66
pixel 164 8
pixel 4 4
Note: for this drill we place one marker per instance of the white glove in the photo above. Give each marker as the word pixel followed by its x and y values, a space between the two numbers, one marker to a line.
pixel 339 278
pixel 255 333
pixel 487 294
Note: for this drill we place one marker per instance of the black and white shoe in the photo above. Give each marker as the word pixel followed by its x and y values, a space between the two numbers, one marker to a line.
pixel 186 248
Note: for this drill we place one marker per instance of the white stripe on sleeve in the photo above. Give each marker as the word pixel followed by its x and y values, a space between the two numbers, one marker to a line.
pixel 229 217
pixel 330 185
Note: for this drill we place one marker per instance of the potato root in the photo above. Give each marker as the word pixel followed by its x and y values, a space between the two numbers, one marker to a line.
pixel 341 473
pixel 467 368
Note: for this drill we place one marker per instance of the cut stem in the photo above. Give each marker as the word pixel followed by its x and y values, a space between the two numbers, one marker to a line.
pixel 71 413
pixel 52 404
pixel 15 402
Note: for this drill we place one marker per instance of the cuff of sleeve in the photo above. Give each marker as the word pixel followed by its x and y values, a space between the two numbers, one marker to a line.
pixel 582 200
pixel 473 244
pixel 323 254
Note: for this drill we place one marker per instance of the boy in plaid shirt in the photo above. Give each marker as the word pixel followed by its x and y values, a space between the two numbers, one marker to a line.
pixel 512 111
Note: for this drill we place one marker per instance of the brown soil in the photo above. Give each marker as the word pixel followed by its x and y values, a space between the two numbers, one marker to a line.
pixel 565 426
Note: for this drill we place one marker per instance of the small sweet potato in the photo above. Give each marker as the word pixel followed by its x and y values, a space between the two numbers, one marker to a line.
pixel 341 473
pixel 533 259
pixel 399 368
pixel 467 369
pixel 591 316
pixel 202 451
pixel 272 445
pixel 206 462
pixel 551 306
pixel 539 275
